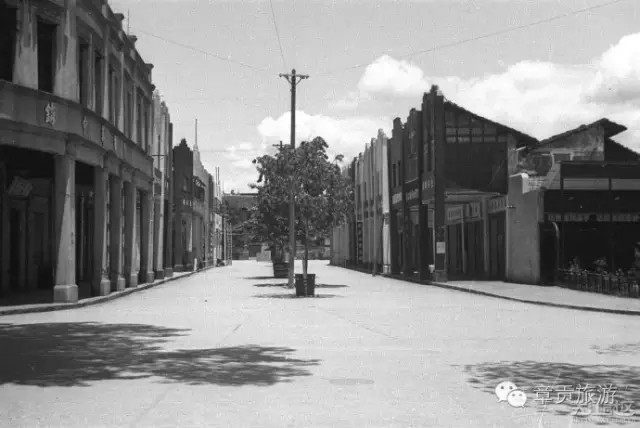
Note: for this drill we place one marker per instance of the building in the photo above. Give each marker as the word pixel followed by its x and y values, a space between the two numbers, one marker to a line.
pixel 200 221
pixel 76 119
pixel 161 151
pixel 371 210
pixel 574 198
pixel 183 184
pixel 238 207
pixel 215 218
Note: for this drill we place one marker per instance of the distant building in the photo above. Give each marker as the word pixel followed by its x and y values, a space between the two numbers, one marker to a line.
pixel 183 190
pixel 238 206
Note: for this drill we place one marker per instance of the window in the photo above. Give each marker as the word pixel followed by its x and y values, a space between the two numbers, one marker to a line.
pixel 46 55
pixel 8 26
pixel 139 113
pixel 128 106
pixel 98 83
pixel 393 175
pixel 110 93
pixel 83 73
pixel 559 157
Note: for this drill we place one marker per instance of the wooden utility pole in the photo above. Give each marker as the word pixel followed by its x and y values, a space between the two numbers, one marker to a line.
pixel 293 79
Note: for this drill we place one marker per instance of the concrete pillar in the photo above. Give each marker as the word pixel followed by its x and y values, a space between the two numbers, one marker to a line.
pixel 130 273
pixel 134 109
pixel 106 65
pixel 25 68
pixel 158 236
pixel 101 285
pixel 65 289
pixel 146 234
pixel 91 75
pixel 168 262
pixel 4 234
pixel 115 246
pixel 66 74
pixel 123 93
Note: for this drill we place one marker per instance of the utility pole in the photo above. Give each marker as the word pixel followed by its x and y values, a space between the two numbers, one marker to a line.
pixel 293 79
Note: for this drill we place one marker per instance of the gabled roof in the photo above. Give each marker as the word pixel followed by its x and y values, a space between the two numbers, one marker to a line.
pixel 528 139
pixel 610 129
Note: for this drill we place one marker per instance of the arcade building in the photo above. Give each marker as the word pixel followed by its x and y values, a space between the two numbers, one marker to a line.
pixel 76 175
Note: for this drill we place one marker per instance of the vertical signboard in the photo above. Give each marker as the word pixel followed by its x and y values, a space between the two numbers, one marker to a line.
pixel 359 240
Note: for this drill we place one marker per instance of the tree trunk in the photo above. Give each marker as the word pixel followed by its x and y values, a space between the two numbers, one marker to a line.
pixel 305 257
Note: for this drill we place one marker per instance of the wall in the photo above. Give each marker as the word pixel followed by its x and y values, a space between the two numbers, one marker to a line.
pixel 524 211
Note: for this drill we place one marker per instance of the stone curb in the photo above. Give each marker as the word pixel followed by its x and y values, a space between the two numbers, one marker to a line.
pixel 499 296
pixel 27 309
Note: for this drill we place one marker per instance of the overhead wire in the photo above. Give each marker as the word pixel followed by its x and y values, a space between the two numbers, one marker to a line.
pixel 484 36
pixel 217 56
pixel 275 25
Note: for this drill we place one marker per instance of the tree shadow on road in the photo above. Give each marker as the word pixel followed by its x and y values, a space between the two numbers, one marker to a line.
pixel 77 354
pixel 530 376
pixel 293 296
pixel 618 349
pixel 284 284
pixel 267 284
pixel 259 277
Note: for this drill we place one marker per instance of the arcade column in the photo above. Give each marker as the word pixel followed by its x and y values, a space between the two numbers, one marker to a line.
pixel 65 289
pixel 115 243
pixel 130 196
pixel 146 235
pixel 101 283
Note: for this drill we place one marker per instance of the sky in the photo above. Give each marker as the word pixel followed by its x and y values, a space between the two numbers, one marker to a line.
pixel 370 61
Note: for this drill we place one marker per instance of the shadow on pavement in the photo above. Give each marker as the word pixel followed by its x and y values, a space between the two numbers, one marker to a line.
pixel 284 284
pixel 259 277
pixel 532 376
pixel 76 354
pixel 266 284
pixel 618 349
pixel 293 296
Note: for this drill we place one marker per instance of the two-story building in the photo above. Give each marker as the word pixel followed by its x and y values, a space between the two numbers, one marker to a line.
pixel 183 184
pixel 161 151
pixel 574 198
pixel 200 222
pixel 76 175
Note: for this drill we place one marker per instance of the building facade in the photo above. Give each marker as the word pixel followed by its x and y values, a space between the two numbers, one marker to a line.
pixel 183 184
pixel 76 120
pixel 161 153
pixel 200 221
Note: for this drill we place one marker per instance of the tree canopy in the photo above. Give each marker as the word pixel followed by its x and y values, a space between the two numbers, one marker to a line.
pixel 323 195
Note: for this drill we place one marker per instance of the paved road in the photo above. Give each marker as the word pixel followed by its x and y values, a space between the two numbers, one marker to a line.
pixel 225 348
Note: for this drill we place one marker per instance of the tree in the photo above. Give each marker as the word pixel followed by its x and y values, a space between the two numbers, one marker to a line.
pixel 323 196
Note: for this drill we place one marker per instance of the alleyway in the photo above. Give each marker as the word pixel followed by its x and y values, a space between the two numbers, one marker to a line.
pixel 228 348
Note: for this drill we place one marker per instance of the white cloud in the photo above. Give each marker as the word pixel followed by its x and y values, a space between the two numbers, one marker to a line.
pixel 346 135
pixel 540 98
pixel 387 75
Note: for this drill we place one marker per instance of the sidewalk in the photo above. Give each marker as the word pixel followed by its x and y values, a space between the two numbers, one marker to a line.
pixel 47 307
pixel 537 295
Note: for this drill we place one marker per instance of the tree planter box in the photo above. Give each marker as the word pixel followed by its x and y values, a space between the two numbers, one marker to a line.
pixel 311 285
pixel 280 269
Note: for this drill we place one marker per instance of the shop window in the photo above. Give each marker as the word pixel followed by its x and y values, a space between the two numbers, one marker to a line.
pixel 8 26
pixel 46 55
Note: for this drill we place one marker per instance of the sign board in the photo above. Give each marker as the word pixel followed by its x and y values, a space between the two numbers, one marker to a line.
pixel 359 238
pixel 396 198
pixel 428 186
pixel 440 248
pixel 599 217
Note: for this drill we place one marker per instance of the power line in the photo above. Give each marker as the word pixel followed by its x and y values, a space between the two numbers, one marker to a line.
pixel 195 49
pixel 487 35
pixel 275 25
